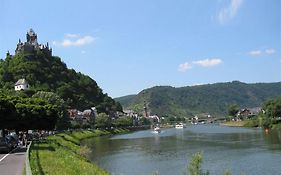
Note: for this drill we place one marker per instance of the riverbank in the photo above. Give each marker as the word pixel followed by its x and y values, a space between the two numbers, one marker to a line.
pixel 249 124
pixel 234 123
pixel 61 154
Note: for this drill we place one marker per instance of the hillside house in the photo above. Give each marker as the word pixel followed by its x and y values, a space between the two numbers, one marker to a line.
pixel 243 113
pixel 21 84
pixel 246 113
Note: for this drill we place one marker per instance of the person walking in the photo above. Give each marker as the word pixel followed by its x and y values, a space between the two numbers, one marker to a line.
pixel 24 139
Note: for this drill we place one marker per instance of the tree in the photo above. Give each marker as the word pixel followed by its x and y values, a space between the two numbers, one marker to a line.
pixel 123 121
pixel 102 120
pixel 273 107
pixel 145 121
pixel 23 113
pixel 35 113
pixel 63 121
pixel 7 113
pixel 232 110
pixel 271 112
pixel 119 107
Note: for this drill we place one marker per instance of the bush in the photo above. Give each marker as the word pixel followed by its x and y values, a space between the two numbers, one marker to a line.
pixel 194 167
pixel 84 151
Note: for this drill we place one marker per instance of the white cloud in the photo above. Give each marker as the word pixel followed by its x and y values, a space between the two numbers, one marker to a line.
pixel 229 12
pixel 71 35
pixel 184 67
pixel 255 53
pixel 260 52
pixel 208 62
pixel 204 63
pixel 270 51
pixel 78 42
pixel 197 84
pixel 75 40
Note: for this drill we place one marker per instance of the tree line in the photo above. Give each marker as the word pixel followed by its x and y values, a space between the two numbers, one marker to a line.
pixel 46 111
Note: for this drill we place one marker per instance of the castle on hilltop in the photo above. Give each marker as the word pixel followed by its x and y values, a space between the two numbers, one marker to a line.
pixel 32 45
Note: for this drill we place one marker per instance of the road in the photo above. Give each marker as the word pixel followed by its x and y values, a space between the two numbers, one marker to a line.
pixel 13 163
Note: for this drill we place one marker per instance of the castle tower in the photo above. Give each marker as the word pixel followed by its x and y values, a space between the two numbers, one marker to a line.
pixel 32 45
pixel 31 37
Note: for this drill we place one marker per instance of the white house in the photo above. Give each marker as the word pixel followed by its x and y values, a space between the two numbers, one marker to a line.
pixel 21 84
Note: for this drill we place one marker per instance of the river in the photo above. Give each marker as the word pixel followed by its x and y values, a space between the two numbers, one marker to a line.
pixel 239 150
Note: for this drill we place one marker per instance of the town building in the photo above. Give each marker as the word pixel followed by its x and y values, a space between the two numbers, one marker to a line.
pixel 248 112
pixel 82 118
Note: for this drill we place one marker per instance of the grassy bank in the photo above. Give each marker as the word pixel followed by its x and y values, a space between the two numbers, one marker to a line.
pixel 234 123
pixel 61 154
pixel 276 126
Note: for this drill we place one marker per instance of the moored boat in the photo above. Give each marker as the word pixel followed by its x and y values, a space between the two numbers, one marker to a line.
pixel 180 126
pixel 157 129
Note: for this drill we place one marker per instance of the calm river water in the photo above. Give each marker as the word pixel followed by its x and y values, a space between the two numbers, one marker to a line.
pixel 240 150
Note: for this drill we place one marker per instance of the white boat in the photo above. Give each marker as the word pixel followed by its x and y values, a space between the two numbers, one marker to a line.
pixel 157 129
pixel 180 126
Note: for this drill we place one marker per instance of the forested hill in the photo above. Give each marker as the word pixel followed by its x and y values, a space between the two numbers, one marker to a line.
pixel 49 73
pixel 212 98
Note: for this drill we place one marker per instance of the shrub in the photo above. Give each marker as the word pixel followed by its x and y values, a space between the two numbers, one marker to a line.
pixel 194 167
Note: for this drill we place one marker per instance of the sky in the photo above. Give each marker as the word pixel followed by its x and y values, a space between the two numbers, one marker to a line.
pixel 127 46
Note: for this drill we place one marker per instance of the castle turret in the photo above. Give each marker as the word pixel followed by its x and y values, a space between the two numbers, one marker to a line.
pixel 31 37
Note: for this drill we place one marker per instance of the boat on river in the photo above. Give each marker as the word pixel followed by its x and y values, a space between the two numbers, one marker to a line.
pixel 180 126
pixel 157 129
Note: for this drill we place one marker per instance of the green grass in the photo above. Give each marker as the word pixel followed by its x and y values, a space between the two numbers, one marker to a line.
pixel 235 123
pixel 61 154
pixel 252 123
pixel 276 126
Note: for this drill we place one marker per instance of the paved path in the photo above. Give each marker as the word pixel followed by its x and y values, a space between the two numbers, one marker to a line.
pixel 13 163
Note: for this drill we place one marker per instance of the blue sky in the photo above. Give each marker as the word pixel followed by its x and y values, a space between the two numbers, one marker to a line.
pixel 127 46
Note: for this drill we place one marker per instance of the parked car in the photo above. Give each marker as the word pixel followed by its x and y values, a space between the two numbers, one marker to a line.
pixel 8 143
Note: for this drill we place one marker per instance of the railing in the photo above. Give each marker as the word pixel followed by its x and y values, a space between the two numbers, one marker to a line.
pixel 27 165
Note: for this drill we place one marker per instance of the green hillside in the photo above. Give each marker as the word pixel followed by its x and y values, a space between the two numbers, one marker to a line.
pixel 213 99
pixel 49 73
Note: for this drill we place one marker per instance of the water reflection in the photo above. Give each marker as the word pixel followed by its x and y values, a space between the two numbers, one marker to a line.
pixel 241 150
pixel 273 138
